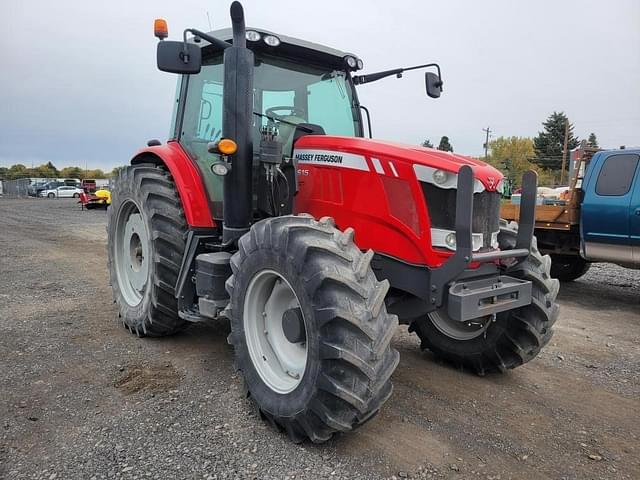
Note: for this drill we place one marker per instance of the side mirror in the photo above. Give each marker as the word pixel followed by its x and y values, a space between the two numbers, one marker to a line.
pixel 179 57
pixel 434 84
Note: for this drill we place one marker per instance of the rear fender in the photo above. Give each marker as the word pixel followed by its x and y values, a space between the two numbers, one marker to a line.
pixel 186 177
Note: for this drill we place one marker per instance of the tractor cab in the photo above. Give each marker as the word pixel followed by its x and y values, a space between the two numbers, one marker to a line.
pixel 298 88
pixel 294 83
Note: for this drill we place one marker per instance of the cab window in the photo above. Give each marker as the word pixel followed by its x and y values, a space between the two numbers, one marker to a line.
pixel 330 107
pixel 616 175
pixel 304 93
pixel 202 123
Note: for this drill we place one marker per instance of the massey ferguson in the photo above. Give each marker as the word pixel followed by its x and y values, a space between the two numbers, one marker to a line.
pixel 268 206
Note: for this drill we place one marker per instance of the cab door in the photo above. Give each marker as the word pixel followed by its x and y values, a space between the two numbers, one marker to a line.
pixel 605 210
pixel 201 123
pixel 634 220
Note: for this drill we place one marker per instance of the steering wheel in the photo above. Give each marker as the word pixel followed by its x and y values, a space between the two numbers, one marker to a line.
pixel 293 112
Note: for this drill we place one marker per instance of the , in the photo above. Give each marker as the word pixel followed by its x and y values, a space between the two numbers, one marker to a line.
pixel 269 207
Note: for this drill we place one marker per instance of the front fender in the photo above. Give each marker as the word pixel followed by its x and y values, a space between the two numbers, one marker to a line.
pixel 186 177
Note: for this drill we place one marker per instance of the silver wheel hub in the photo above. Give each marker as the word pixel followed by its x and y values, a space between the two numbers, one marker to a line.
pixel 279 361
pixel 458 330
pixel 131 253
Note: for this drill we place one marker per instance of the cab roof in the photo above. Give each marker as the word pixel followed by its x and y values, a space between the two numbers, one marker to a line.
pixel 289 46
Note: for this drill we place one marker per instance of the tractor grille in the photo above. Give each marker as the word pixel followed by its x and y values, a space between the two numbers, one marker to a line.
pixel 441 203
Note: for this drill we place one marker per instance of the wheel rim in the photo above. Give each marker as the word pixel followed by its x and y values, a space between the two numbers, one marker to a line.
pixel 131 253
pixel 279 361
pixel 457 330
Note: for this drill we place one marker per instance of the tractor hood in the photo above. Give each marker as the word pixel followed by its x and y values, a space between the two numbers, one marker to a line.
pixel 367 154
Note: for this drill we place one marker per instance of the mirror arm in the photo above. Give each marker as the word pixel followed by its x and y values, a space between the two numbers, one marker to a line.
pixel 426 66
pixel 216 42
pixel 372 77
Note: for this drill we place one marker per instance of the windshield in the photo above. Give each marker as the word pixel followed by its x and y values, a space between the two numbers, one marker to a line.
pixel 285 90
pixel 303 93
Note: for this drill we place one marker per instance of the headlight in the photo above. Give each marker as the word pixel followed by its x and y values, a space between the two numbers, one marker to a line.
pixel 443 238
pixel 220 168
pixel 272 40
pixel 440 177
pixel 450 241
pixel 360 64
pixel 351 61
pixel 253 36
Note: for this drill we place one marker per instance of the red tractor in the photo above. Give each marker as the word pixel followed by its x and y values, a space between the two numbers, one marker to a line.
pixel 268 206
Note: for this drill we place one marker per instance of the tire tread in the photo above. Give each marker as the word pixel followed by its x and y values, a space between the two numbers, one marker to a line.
pixel 356 357
pixel 161 204
pixel 525 330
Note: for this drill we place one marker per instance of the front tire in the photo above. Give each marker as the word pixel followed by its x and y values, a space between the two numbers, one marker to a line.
pixel 344 376
pixel 51 195
pixel 515 337
pixel 568 268
pixel 146 241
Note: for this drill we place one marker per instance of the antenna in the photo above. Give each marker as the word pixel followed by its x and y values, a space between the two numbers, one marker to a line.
pixel 209 20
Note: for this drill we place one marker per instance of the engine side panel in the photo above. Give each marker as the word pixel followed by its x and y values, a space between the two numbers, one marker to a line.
pixel 377 196
pixel 187 179
pixel 357 199
pixel 372 186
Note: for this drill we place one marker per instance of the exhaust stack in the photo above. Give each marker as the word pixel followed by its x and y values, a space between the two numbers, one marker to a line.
pixel 237 119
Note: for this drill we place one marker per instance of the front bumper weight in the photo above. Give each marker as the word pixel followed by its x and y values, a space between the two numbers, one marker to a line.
pixel 468 300
pixel 464 255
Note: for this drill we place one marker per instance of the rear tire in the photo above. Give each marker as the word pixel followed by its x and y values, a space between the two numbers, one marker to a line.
pixel 349 359
pixel 568 268
pixel 516 336
pixel 146 241
pixel 76 195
